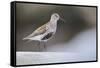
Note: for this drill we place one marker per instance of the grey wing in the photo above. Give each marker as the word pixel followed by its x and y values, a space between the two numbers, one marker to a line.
pixel 38 31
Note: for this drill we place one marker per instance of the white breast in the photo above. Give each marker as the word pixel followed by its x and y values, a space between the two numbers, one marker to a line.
pixel 51 27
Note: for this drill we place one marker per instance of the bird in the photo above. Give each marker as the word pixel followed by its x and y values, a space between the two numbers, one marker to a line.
pixel 46 31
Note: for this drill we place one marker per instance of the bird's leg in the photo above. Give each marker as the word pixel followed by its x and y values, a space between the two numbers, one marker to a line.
pixel 45 46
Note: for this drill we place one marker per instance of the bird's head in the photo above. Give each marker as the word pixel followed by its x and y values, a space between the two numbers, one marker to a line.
pixel 56 17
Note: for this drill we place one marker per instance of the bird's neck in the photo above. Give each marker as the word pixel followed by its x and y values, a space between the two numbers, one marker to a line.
pixel 53 25
pixel 53 21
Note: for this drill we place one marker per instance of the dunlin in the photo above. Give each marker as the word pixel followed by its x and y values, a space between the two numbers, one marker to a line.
pixel 46 31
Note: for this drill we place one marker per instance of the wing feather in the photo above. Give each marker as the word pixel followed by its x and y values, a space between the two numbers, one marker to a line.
pixel 38 31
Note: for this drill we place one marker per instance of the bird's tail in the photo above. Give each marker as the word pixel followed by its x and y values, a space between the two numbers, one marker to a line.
pixel 27 37
pixel 24 38
pixel 28 40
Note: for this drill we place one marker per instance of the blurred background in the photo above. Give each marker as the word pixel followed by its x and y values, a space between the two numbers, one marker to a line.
pixel 74 35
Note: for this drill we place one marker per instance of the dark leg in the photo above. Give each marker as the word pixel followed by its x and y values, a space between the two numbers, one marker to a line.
pixel 45 48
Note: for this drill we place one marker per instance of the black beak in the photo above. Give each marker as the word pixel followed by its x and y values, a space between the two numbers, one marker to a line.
pixel 62 19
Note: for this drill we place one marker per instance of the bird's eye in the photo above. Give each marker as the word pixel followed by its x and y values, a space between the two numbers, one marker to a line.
pixel 56 15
